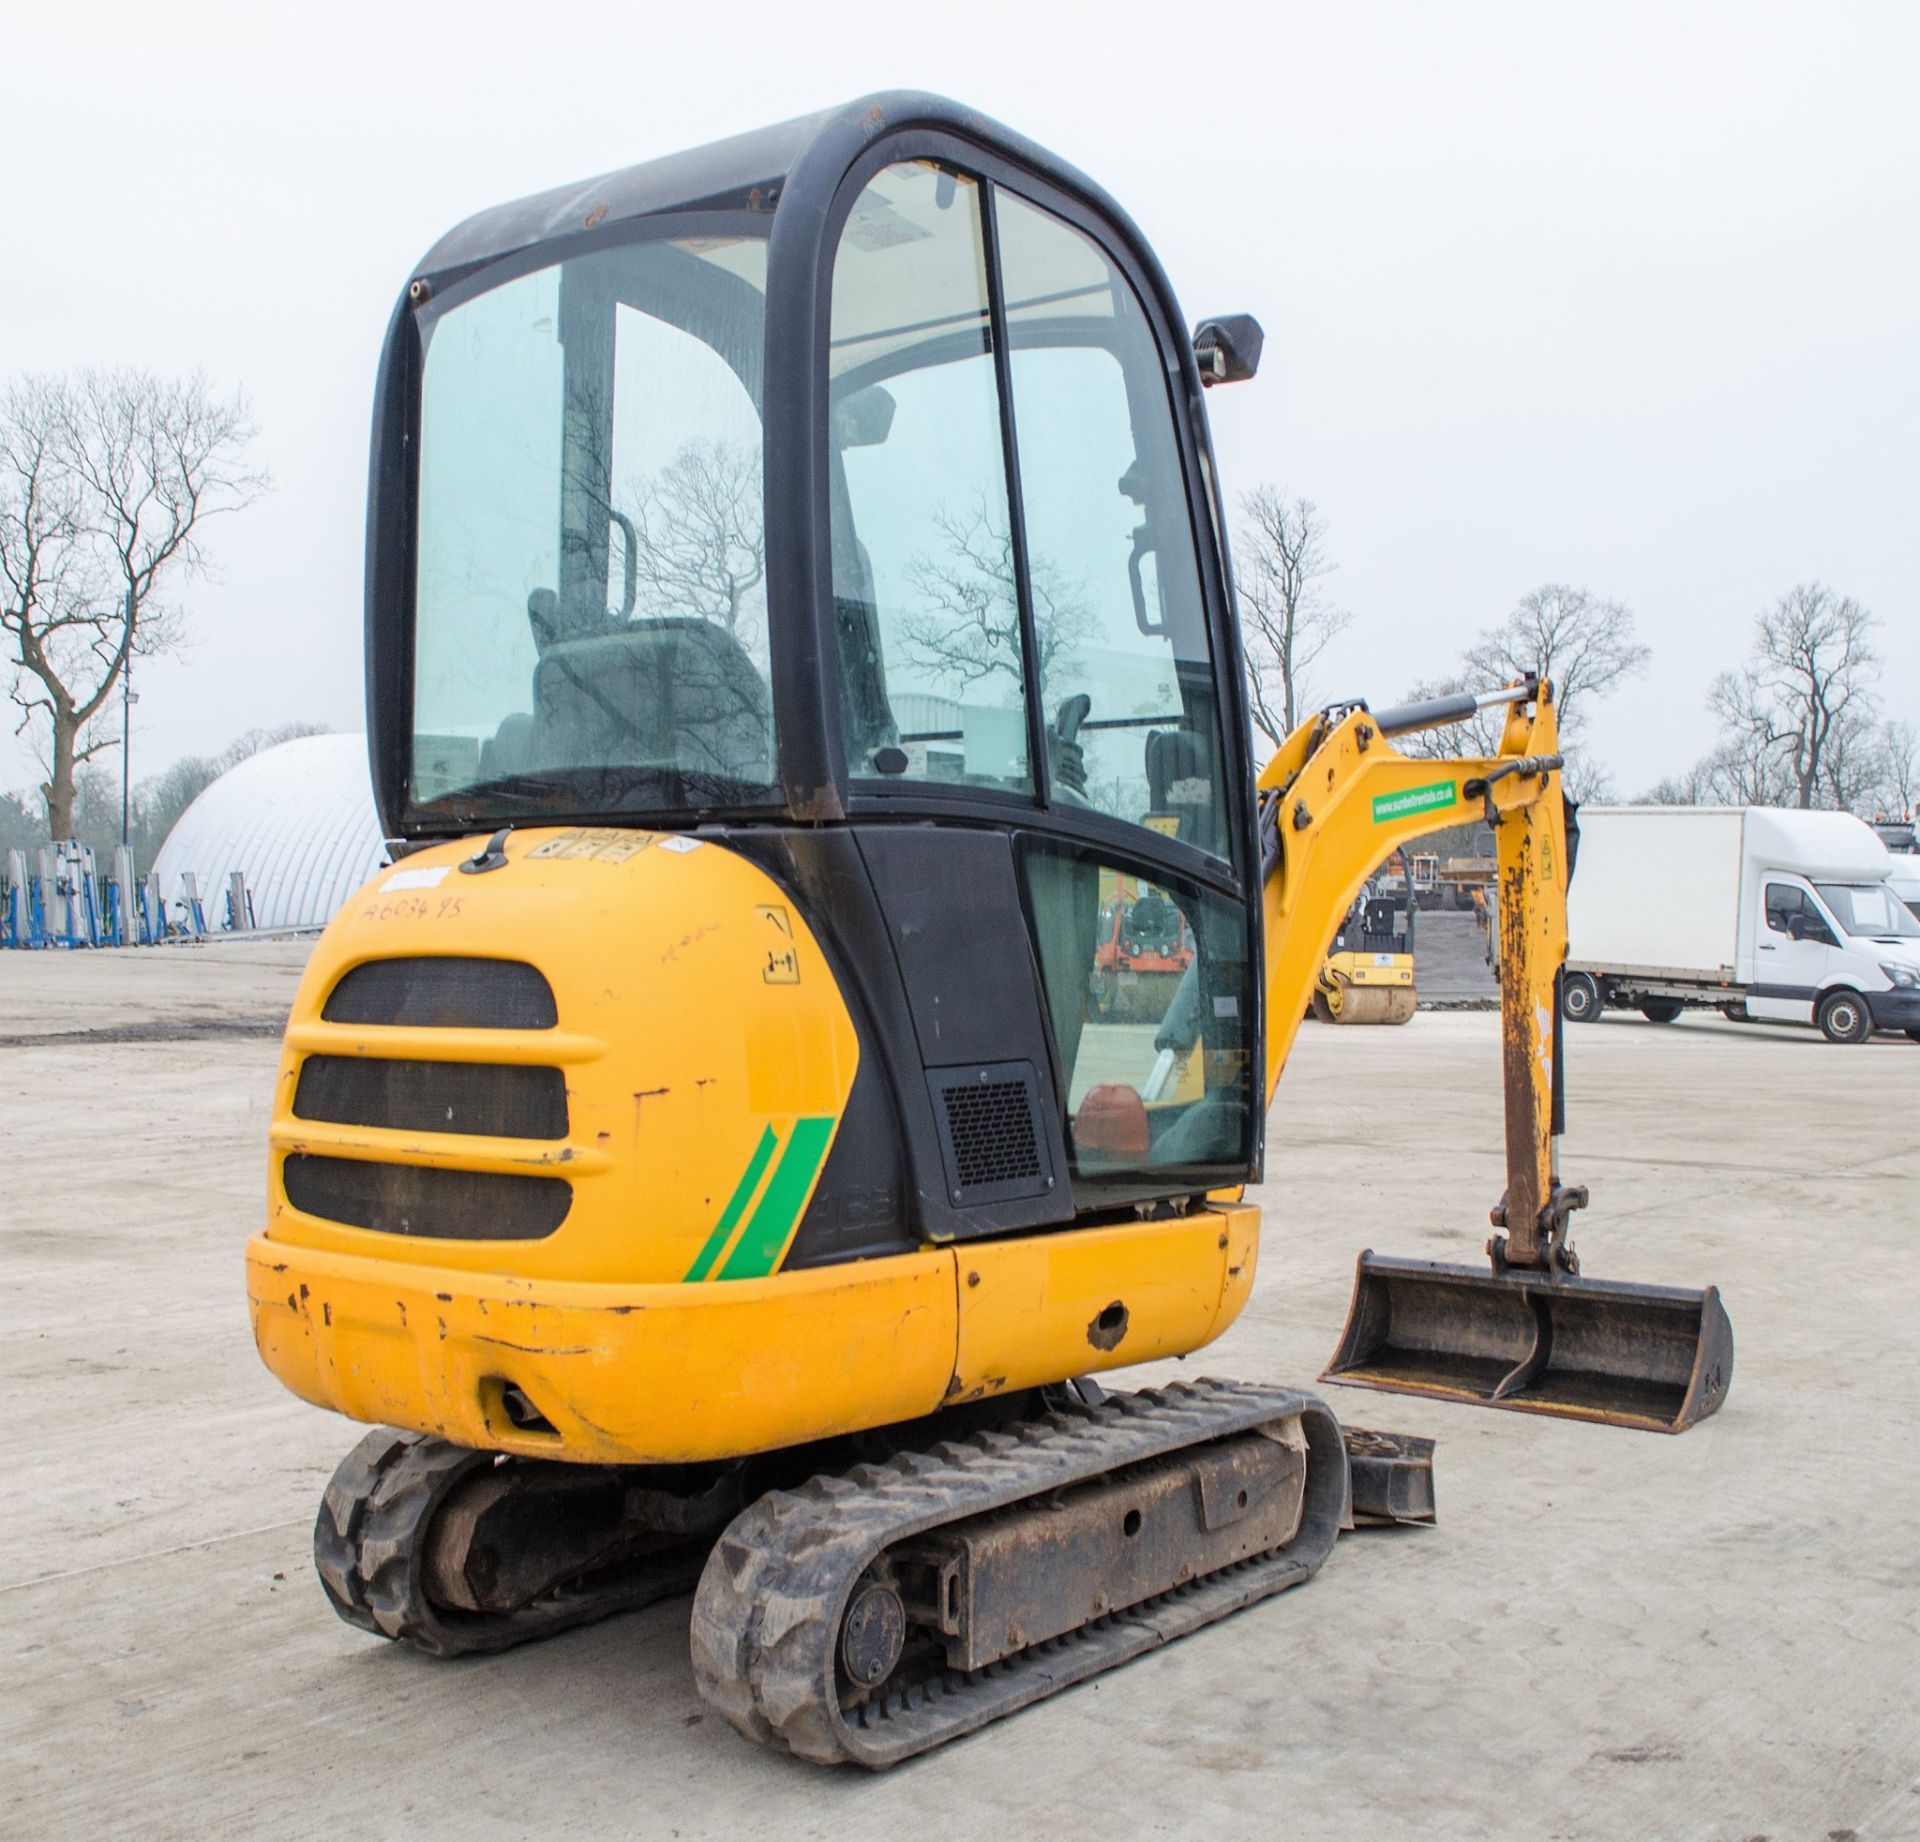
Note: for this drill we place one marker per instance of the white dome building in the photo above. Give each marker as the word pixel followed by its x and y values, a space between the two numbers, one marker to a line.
pixel 296 820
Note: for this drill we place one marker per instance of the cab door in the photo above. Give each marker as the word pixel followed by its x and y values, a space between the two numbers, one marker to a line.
pixel 1033 637
pixel 1793 954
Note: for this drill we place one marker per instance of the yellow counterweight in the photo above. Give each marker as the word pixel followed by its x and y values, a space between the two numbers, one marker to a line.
pixel 706 1056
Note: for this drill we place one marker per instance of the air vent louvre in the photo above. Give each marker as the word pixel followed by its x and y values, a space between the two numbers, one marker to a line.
pixel 444 993
pixel 990 1132
pixel 992 1128
pixel 454 1205
pixel 478 1098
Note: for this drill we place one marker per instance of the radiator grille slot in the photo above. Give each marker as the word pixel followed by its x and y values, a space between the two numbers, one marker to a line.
pixel 478 1098
pixel 444 993
pixel 990 1132
pixel 454 1205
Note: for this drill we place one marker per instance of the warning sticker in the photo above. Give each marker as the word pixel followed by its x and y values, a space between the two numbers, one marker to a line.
pixel 1432 798
pixel 415 879
pixel 603 844
pixel 781 963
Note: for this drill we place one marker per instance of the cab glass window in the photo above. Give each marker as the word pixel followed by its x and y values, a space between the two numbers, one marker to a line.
pixel 933 671
pixel 1120 623
pixel 1790 912
pixel 1869 910
pixel 591 621
pixel 1149 999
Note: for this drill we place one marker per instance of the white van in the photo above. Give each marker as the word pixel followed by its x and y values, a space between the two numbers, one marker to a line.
pixel 1776 915
pixel 1905 882
pixel 1903 842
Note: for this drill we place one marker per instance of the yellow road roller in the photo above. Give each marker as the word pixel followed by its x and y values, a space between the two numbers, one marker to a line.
pixel 1367 977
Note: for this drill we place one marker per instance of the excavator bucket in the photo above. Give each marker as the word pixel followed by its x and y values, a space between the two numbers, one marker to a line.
pixel 1654 1357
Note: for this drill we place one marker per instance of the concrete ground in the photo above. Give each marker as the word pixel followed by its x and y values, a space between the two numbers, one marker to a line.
pixel 1610 1634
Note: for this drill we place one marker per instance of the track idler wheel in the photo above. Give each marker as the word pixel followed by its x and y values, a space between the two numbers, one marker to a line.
pixel 453 1551
pixel 369 1538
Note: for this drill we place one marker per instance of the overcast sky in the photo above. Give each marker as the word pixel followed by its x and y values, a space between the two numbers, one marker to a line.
pixel 1626 296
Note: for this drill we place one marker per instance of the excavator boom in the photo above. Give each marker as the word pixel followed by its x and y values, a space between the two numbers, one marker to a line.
pixel 1527 1332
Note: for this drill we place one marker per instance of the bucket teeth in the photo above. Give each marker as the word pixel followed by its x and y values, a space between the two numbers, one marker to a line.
pixel 1653 1357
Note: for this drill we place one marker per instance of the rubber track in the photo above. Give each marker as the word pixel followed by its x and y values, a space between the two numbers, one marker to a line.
pixel 766 1617
pixel 369 1547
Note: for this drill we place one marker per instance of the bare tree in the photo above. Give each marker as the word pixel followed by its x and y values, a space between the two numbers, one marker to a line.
pixel 158 800
pixel 1735 772
pixel 699 537
pixel 1585 644
pixel 1285 620
pixel 1478 734
pixel 19 825
pixel 161 799
pixel 1691 788
pixel 1797 720
pixel 1586 779
pixel 1899 790
pixel 1746 767
pixel 105 481
pixel 967 626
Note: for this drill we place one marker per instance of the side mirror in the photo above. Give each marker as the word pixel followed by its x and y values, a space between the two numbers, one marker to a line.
pixel 1228 349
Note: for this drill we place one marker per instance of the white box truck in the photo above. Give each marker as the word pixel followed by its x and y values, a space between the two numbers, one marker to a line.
pixel 1762 913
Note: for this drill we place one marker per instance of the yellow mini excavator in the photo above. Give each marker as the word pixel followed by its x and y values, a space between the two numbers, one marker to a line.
pixel 796 590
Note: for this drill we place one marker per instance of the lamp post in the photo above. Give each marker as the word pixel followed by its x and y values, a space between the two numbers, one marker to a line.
pixel 127 701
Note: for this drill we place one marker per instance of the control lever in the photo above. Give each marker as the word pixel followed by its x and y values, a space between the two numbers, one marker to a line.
pixel 1066 759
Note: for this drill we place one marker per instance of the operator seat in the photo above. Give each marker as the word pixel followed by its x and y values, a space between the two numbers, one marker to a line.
pixel 677 692
pixel 1181 786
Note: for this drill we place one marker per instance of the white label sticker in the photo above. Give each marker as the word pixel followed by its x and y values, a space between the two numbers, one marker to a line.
pixel 1226 1007
pixel 415 879
pixel 681 844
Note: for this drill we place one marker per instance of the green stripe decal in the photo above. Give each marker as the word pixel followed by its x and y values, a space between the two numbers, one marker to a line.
pixel 766 1236
pixel 736 1207
pixel 1430 798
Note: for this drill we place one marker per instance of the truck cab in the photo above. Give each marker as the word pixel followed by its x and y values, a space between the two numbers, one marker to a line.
pixel 1819 943
pixel 1902 839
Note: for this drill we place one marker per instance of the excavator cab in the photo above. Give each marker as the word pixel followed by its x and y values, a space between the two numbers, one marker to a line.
pixel 721 1148
pixel 845 490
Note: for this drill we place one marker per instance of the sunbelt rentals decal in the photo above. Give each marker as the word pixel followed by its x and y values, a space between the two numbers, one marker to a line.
pixel 1415 799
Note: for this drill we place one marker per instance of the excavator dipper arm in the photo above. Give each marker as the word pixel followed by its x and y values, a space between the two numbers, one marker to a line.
pixel 1336 801
pixel 1339 799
